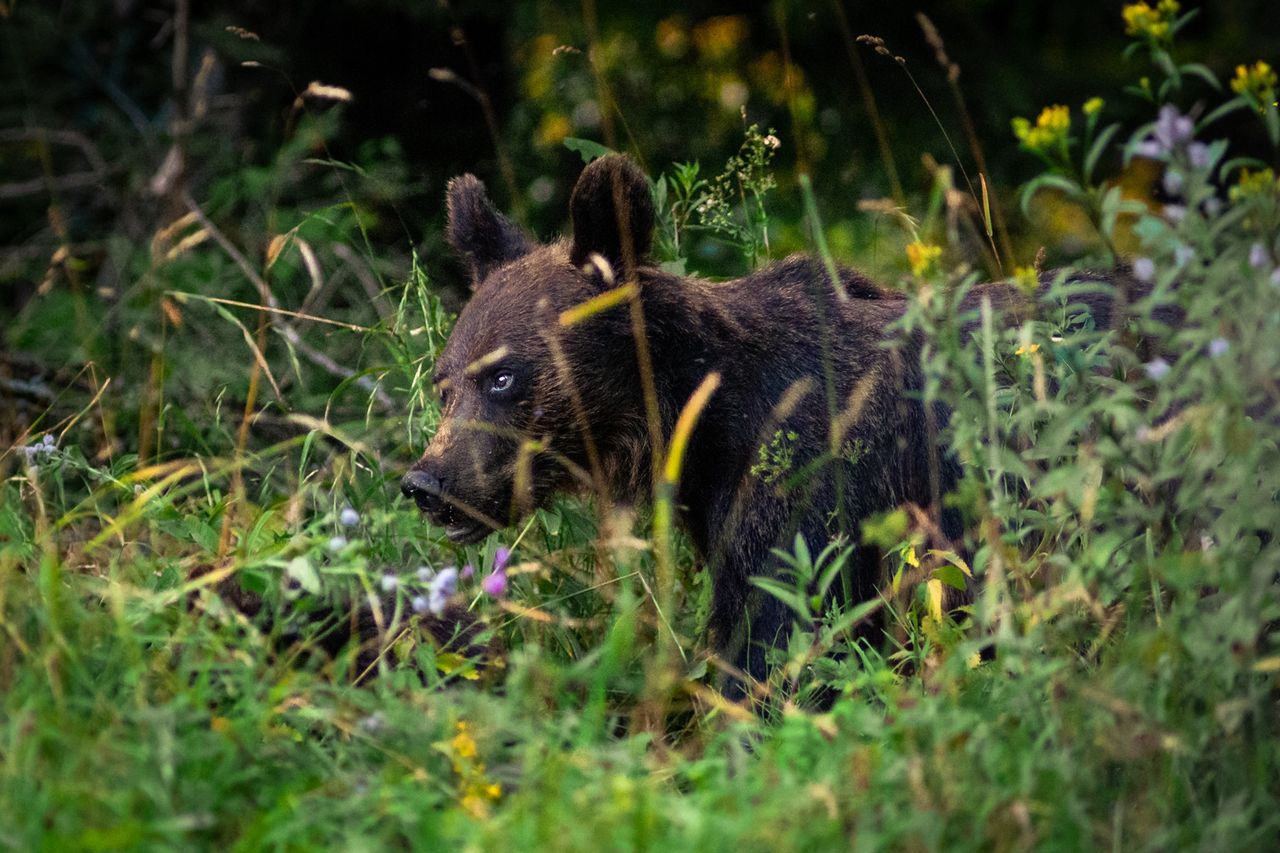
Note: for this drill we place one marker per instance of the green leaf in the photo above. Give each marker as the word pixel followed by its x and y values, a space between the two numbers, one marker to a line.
pixel 1064 185
pixel 1226 109
pixel 1097 149
pixel 301 570
pixel 786 594
pixel 1202 71
pixel 951 576
pixel 587 149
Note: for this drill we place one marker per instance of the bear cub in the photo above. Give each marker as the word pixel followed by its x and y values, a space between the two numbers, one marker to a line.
pixel 535 400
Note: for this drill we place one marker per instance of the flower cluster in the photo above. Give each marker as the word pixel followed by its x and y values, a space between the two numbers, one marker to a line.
pixel 1257 83
pixel 432 590
pixel 1049 132
pixel 1173 133
pixel 477 790
pixel 1150 22
pixel 923 257
pixel 1260 184
pixel 439 588
pixel 40 449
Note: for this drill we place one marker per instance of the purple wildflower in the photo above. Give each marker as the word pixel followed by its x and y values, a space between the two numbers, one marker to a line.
pixel 348 517
pixel 1150 149
pixel 1144 269
pixel 337 543
pixel 468 571
pixel 1258 256
pixel 1172 182
pixel 425 574
pixel 1157 368
pixel 420 605
pixel 1172 128
pixel 1175 213
pixel 1198 155
pixel 1218 346
pixel 436 601
pixel 446 582
pixel 495 585
pixel 501 557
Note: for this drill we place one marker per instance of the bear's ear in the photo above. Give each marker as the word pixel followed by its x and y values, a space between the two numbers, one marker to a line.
pixel 478 232
pixel 612 212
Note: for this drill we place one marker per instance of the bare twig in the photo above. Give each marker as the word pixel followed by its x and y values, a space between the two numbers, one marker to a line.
pixel 361 270
pixel 285 329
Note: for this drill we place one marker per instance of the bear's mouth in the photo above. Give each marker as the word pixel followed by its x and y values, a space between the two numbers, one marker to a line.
pixel 466 532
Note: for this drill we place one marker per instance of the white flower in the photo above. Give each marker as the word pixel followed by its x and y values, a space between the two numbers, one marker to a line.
pixel 1218 346
pixel 348 517
pixel 390 583
pixel 1157 368
pixel 1144 269
pixel 425 574
pixel 337 543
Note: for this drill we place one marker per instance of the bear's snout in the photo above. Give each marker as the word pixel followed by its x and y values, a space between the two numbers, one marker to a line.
pixel 425 490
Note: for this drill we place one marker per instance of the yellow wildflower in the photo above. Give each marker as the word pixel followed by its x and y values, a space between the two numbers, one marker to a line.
pixel 1260 183
pixel 1156 23
pixel 922 256
pixel 463 744
pixel 1258 82
pixel 1092 106
pixel 1027 349
pixel 1026 279
pixel 1049 131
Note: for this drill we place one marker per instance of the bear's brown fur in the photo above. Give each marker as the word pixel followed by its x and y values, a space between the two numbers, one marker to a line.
pixel 532 404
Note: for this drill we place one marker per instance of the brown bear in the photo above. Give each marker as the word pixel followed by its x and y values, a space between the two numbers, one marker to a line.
pixel 815 425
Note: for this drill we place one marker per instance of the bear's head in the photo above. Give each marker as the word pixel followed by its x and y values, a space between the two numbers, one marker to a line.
pixel 531 397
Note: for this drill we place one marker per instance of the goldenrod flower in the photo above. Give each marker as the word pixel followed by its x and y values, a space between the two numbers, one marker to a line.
pixel 922 256
pixel 1255 184
pixel 1092 106
pixel 1049 131
pixel 1026 279
pixel 1026 350
pixel 463 744
pixel 1258 82
pixel 1144 21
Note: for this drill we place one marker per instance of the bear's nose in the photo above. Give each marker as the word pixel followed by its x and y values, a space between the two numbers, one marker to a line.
pixel 423 489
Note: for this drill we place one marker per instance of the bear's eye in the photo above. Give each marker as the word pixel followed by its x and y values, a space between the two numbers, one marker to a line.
pixel 502 382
